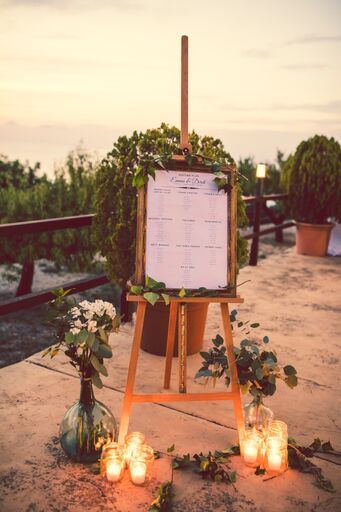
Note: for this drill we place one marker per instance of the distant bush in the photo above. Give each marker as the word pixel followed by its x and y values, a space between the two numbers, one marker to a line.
pixel 313 179
pixel 25 196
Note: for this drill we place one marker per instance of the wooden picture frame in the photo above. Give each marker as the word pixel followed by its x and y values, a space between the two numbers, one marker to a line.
pixel 180 164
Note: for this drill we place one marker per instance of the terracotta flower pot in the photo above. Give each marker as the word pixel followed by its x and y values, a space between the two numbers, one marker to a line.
pixel 154 336
pixel 312 239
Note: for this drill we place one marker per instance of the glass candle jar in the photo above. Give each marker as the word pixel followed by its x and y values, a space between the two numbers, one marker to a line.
pixel 112 462
pixel 276 454
pixel 141 464
pixel 278 428
pixel 253 448
pixel 131 443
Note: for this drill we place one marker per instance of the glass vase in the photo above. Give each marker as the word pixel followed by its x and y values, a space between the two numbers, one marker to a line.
pixel 257 416
pixel 87 426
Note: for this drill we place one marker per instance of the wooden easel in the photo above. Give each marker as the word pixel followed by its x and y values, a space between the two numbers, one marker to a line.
pixel 178 306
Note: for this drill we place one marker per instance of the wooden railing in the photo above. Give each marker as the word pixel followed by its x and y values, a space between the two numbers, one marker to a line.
pixel 45 225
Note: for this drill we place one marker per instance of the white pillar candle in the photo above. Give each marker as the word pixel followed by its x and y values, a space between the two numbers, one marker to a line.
pixel 113 470
pixel 274 460
pixel 138 472
pixel 250 451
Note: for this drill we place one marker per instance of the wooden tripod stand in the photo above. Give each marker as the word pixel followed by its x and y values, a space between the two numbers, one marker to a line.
pixel 178 308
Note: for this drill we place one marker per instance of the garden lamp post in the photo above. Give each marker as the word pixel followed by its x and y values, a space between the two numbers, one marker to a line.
pixel 260 175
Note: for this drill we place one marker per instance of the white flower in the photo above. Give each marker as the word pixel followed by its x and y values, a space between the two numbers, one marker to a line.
pixel 92 326
pixel 75 330
pixel 78 324
pixel 75 312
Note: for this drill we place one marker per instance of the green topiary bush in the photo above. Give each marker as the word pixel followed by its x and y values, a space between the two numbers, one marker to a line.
pixel 313 178
pixel 114 226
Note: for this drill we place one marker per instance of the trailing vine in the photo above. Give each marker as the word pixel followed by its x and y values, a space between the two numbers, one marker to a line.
pixel 129 165
pixel 154 290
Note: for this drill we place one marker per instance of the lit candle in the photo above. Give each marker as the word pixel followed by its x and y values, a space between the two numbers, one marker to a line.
pixel 274 443
pixel 138 472
pixel 114 470
pixel 250 451
pixel 274 460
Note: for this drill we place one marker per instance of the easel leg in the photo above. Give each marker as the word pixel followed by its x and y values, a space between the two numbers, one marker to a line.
pixel 127 401
pixel 237 402
pixel 182 347
pixel 170 343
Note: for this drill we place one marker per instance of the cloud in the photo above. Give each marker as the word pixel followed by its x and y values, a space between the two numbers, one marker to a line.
pixel 303 67
pixel 256 53
pixel 313 38
pixel 331 107
pixel 74 5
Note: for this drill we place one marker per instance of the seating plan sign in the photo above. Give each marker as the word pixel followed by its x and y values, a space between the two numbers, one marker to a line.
pixel 187 237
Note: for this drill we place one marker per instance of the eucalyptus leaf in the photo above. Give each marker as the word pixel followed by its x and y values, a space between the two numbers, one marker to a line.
pixel 104 351
pixel 289 370
pixel 96 380
pixel 98 366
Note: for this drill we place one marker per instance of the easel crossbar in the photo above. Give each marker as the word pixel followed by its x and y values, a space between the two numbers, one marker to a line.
pixel 221 300
pixel 185 397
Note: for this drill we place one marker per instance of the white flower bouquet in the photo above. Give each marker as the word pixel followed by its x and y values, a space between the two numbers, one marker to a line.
pixel 83 334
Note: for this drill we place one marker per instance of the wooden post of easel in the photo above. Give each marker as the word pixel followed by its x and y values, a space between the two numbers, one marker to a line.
pixel 178 306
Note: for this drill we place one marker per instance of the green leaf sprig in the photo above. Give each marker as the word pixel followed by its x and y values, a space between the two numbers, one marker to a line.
pixel 299 458
pixel 212 466
pixel 258 367
pixel 163 500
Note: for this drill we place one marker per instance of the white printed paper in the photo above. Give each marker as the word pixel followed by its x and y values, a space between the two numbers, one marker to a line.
pixel 186 238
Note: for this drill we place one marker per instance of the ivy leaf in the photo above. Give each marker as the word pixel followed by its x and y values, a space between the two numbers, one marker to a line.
pixel 171 449
pixel 139 181
pixel 182 293
pixel 136 289
pixel 151 172
pixel 166 298
pixel 151 297
pixel 152 284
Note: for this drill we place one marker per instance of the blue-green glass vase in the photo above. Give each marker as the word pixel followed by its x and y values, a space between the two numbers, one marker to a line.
pixel 87 426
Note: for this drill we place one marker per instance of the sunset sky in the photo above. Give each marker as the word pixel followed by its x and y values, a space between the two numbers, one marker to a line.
pixel 263 74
